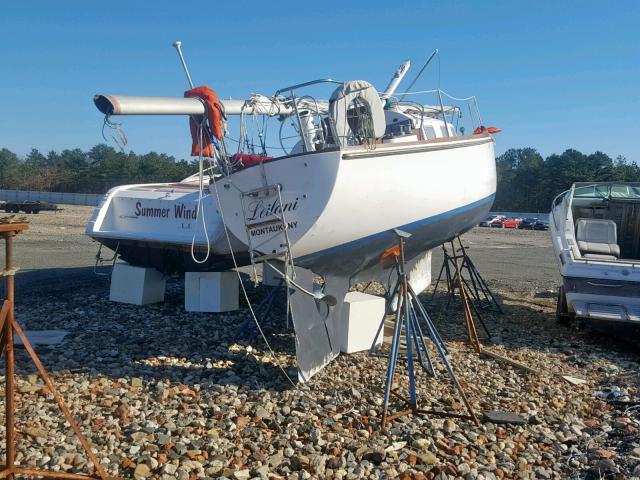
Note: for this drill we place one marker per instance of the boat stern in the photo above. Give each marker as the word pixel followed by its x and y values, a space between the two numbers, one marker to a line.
pixel 166 214
pixel 603 299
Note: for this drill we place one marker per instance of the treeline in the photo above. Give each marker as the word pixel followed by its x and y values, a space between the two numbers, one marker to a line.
pixel 527 182
pixel 95 171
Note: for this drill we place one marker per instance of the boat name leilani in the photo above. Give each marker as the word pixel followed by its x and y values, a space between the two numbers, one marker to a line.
pixel 260 209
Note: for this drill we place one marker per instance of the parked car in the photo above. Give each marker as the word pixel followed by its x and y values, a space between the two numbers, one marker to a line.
pixel 528 223
pixel 511 223
pixel 493 221
pixel 531 223
pixel 28 206
pixel 541 225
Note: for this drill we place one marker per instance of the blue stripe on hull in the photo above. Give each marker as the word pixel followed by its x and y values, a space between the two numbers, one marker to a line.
pixel 363 253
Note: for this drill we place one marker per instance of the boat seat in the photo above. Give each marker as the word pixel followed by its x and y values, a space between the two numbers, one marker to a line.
pixel 597 237
pixel 598 256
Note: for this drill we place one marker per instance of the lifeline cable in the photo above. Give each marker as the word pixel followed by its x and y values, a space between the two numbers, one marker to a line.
pixel 266 146
pixel 433 91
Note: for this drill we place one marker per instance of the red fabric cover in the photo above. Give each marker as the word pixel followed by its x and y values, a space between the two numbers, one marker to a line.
pixel 249 160
pixel 483 129
pixel 214 115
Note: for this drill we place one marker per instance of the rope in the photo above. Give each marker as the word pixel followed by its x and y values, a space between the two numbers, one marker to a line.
pixel 244 290
pixel 199 205
pixel 221 150
pixel 119 137
pixel 367 130
pixel 260 105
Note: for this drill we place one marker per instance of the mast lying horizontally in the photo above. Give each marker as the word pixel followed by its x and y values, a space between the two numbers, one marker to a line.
pixel 142 105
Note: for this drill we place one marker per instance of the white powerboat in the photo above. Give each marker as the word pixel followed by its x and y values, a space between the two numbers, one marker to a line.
pixel 595 229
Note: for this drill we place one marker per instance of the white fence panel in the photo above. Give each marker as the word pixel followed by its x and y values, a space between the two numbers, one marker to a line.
pixel 63 198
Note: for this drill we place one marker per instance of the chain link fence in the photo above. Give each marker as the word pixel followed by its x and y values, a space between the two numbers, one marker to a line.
pixel 64 198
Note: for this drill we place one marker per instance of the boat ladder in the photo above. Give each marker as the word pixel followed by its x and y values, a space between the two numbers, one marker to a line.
pixel 274 217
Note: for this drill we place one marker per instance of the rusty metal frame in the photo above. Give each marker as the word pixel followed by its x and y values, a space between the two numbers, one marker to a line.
pixel 476 287
pixel 472 333
pixel 9 325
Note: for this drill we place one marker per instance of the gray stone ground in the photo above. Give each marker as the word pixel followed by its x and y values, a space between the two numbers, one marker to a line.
pixel 166 394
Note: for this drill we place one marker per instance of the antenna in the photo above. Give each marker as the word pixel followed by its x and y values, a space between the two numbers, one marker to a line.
pixel 419 73
pixel 177 45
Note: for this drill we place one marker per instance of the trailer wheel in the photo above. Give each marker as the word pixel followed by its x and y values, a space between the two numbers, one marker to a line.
pixel 563 315
pixel 15 210
pixel 36 210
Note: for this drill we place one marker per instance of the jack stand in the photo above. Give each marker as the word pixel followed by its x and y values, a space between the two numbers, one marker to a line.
pixel 477 289
pixel 408 316
pixel 468 316
pixel 9 326
pixel 262 310
pixel 482 294
pixel 100 261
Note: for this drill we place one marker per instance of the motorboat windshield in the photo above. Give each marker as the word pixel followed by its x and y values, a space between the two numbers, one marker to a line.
pixel 607 190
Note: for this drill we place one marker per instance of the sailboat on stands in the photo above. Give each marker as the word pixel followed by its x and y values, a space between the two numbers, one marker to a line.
pixel 351 169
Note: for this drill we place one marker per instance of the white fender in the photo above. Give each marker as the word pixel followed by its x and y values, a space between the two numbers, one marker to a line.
pixel 419 276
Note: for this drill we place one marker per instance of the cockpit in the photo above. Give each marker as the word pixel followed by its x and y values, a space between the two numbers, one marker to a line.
pixel 606 221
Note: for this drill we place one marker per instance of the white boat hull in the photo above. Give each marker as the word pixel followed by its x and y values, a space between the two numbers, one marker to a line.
pixel 341 206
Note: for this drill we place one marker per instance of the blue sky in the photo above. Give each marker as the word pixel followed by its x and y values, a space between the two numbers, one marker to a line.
pixel 552 74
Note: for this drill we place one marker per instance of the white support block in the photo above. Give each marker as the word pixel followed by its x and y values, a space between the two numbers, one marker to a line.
pixel 361 317
pixel 136 285
pixel 270 277
pixel 211 291
pixel 420 274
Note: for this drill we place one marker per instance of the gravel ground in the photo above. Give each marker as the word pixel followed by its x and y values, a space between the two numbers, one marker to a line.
pixel 166 394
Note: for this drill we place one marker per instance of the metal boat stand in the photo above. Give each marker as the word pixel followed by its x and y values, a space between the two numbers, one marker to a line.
pixel 470 324
pixel 101 261
pixel 409 316
pixel 262 311
pixel 481 295
pixel 9 326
